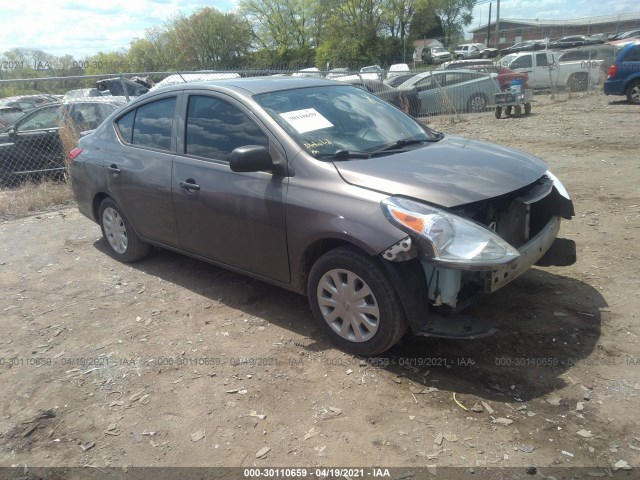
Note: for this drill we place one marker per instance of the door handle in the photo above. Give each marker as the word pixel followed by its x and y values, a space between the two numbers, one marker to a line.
pixel 113 168
pixel 190 185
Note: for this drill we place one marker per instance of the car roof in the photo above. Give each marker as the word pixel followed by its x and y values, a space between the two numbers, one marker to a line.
pixel 253 85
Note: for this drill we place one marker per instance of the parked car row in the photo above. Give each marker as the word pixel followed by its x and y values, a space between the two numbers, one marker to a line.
pixel 32 146
pixel 474 50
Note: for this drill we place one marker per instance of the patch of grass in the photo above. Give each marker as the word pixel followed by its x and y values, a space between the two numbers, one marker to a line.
pixel 33 197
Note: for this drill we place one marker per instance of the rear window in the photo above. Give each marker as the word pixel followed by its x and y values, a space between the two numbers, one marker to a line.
pixel 149 125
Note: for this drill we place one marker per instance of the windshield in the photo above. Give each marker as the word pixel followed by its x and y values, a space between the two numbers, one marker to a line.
pixel 438 49
pixel 327 120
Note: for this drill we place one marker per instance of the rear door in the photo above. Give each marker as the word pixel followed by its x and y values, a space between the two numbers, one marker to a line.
pixel 237 219
pixel 429 92
pixel 138 167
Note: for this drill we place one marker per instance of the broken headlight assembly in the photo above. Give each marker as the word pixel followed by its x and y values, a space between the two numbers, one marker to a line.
pixel 454 241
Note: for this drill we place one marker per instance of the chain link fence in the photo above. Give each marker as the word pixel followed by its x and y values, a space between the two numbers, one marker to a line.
pixel 41 119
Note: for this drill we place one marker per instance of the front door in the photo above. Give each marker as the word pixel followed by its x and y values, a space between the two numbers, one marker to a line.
pixel 237 219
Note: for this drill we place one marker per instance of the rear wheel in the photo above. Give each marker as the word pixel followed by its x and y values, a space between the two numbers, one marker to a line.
pixel 518 110
pixel 355 303
pixel 527 108
pixel 498 112
pixel 633 93
pixel 578 82
pixel 124 243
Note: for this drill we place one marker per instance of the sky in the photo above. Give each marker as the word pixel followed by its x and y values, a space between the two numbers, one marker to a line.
pixel 82 29
pixel 550 9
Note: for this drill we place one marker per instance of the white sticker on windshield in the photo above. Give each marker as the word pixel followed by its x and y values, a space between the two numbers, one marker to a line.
pixel 306 120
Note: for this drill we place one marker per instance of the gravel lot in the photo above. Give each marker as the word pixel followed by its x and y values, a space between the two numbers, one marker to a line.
pixel 171 361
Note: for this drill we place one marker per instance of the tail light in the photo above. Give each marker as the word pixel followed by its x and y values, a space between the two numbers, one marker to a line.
pixel 612 71
pixel 73 154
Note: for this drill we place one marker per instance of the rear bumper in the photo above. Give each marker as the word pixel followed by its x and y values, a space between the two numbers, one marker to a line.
pixel 614 87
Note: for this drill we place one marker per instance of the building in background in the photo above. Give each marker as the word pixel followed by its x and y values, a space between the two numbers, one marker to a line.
pixel 514 31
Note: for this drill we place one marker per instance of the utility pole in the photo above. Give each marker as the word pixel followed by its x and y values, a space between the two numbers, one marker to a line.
pixel 489 28
pixel 498 25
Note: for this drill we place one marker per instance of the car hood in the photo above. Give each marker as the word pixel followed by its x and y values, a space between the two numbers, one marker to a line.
pixel 452 172
pixel 440 54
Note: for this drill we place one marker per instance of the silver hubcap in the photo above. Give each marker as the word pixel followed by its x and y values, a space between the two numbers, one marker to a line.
pixel 115 230
pixel 348 305
pixel 635 94
pixel 477 104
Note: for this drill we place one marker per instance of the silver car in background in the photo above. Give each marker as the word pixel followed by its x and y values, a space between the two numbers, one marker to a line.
pixel 453 91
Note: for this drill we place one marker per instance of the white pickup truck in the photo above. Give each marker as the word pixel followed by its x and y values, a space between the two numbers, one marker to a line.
pixel 545 71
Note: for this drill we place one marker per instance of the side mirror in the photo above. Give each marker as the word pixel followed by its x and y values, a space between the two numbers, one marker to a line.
pixel 13 131
pixel 250 158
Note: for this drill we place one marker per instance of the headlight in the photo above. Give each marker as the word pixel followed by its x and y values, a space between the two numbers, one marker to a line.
pixel 558 184
pixel 455 240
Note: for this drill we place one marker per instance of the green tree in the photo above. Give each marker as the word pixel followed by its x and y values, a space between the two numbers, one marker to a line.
pixel 455 15
pixel 352 32
pixel 284 30
pixel 426 23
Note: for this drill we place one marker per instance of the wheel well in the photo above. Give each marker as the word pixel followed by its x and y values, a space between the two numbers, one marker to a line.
pixel 97 200
pixel 632 83
pixel 314 252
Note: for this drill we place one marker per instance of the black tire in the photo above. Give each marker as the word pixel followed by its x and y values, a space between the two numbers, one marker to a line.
pixel 633 93
pixel 508 110
pixel 578 82
pixel 518 111
pixel 527 108
pixel 477 103
pixel 498 112
pixel 124 243
pixel 343 276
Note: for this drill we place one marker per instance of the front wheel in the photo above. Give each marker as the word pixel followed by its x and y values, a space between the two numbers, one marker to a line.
pixel 355 303
pixel 124 243
pixel 633 93
pixel 477 103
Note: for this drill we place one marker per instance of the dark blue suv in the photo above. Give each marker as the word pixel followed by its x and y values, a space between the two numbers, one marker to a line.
pixel 624 74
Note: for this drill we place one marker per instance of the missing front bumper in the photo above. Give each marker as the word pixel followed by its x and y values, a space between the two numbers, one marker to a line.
pixel 530 253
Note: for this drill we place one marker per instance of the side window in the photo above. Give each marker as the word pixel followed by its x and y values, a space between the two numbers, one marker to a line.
pixel 541 60
pixel 84 116
pixel 522 62
pixel 47 118
pixel 153 122
pixel 633 55
pixel 125 126
pixel 215 128
pixel 453 78
pixel 424 84
pixel 149 125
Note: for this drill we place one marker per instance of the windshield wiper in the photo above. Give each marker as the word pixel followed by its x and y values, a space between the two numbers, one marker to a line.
pixel 344 154
pixel 405 142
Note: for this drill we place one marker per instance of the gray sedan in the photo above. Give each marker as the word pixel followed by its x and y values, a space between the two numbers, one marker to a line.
pixel 326 190
pixel 453 91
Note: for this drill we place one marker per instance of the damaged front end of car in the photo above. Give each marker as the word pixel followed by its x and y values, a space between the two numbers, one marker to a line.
pixel 452 257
